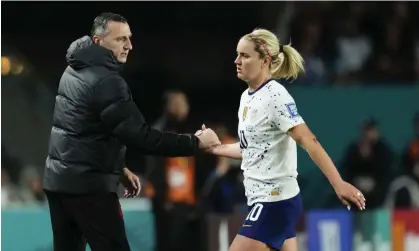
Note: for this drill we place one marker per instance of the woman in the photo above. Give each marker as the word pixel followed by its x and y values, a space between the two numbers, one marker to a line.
pixel 269 127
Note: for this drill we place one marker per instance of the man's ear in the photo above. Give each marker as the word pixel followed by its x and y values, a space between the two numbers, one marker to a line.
pixel 96 40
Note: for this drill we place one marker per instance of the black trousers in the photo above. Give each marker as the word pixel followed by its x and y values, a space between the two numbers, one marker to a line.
pixel 183 233
pixel 79 219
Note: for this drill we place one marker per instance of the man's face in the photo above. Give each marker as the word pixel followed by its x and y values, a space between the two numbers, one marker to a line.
pixel 371 134
pixel 178 106
pixel 117 39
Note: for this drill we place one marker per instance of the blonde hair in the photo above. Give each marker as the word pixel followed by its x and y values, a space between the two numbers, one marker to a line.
pixel 285 62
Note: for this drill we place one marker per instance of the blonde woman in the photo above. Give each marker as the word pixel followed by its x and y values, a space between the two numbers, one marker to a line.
pixel 269 128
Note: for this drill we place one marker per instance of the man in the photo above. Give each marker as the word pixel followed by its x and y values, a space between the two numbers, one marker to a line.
pixel 405 188
pixel 368 163
pixel 410 155
pixel 94 120
pixel 176 182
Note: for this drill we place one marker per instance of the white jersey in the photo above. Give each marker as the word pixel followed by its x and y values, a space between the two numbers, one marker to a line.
pixel 269 154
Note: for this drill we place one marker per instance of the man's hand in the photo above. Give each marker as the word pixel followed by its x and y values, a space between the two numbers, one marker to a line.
pixel 207 138
pixel 131 183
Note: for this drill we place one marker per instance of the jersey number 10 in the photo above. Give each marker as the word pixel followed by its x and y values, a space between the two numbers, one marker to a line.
pixel 243 141
pixel 255 212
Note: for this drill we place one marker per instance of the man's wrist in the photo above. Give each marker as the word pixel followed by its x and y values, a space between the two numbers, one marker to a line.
pixel 197 142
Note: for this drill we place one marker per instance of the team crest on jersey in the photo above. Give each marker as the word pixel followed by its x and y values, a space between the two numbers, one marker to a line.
pixel 245 110
pixel 292 109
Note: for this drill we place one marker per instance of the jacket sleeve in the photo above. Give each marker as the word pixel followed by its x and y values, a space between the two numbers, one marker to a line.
pixel 124 120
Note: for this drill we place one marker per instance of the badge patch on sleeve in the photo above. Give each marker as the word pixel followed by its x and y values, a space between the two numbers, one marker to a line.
pixel 292 109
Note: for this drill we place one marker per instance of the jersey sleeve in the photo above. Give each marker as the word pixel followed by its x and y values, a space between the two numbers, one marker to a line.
pixel 284 110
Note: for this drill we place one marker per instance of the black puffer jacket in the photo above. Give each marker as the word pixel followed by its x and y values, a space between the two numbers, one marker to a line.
pixel 94 119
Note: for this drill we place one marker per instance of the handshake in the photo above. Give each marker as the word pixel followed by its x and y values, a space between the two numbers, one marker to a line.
pixel 207 138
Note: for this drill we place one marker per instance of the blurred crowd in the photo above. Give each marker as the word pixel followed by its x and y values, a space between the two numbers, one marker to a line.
pixel 21 185
pixel 356 42
pixel 386 178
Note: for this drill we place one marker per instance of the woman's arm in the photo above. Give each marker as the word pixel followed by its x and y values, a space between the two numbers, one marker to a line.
pixel 228 150
pixel 345 191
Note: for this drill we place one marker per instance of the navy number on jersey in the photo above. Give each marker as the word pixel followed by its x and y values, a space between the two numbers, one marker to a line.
pixel 255 212
pixel 243 141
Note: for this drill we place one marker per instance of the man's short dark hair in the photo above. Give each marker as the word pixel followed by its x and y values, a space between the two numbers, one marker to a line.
pixel 369 123
pixel 100 24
